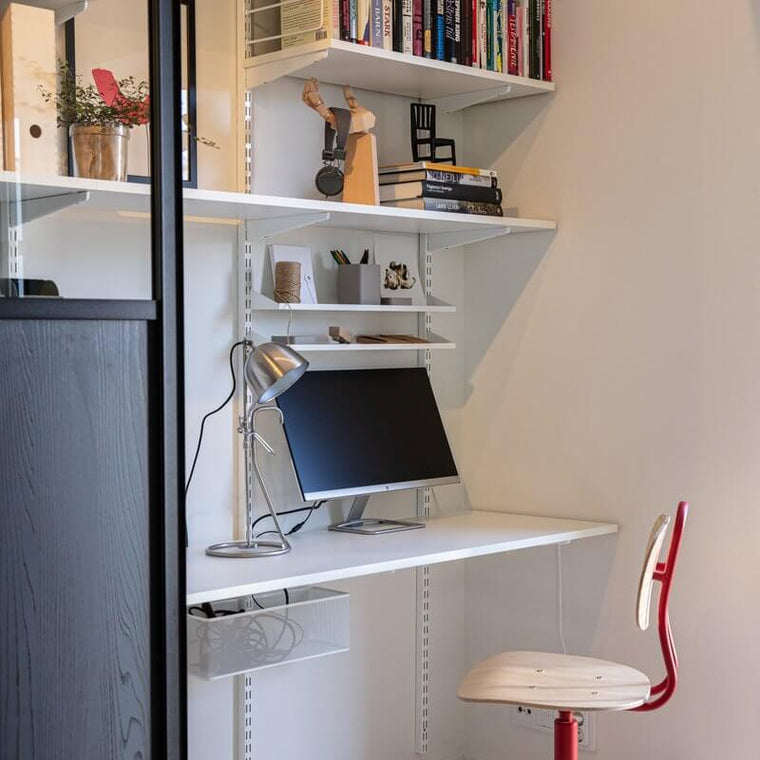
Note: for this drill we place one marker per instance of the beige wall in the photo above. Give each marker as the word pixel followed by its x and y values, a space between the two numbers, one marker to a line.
pixel 615 367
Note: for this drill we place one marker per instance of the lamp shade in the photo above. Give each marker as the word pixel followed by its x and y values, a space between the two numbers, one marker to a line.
pixel 271 369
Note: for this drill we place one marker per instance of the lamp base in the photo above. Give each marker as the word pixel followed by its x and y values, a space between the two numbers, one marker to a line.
pixel 245 550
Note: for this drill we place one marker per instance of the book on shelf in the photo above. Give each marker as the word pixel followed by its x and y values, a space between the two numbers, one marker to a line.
pixel 428 28
pixel 440 30
pixel 449 205
pixel 401 191
pixel 363 22
pixel 376 23
pixel 512 37
pixel 417 28
pixel 435 175
pixel 387 24
pixel 547 41
pixel 433 166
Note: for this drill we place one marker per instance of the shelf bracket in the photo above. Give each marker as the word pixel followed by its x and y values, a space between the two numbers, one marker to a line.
pixel 22 211
pixel 262 73
pixel 443 241
pixel 452 103
pixel 262 229
pixel 67 12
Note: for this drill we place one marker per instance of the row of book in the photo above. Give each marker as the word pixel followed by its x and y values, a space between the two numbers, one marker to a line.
pixel 507 36
pixel 431 186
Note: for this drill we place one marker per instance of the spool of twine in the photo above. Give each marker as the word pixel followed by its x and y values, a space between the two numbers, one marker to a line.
pixel 287 282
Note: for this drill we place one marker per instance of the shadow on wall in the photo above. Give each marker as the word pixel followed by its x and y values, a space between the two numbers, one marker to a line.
pixel 496 277
pixel 525 615
pixel 503 139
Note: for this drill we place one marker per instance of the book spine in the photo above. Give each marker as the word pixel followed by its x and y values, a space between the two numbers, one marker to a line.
pixel 398 33
pixel 525 31
pixel 454 178
pixel 407 26
pixel 417 29
pixel 345 18
pixel 440 30
pixel 427 28
pixel 499 36
pixel 461 192
pixel 490 34
pixel 462 207
pixel 314 15
pixel 387 24
pixel 535 38
pixel 483 33
pixel 335 20
pixel 473 32
pixel 449 9
pixel 512 36
pixel 353 21
pixel 548 40
pixel 520 39
pixel 363 22
pixel 463 40
pixel 376 23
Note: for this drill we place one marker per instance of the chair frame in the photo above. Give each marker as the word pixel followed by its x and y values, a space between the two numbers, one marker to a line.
pixel 566 726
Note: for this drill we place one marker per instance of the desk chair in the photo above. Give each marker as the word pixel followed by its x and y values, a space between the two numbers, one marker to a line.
pixel 424 134
pixel 567 684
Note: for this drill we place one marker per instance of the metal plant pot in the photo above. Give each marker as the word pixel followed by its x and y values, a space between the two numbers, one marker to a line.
pixel 100 152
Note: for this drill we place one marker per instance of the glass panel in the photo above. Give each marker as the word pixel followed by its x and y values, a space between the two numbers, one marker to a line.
pixel 75 190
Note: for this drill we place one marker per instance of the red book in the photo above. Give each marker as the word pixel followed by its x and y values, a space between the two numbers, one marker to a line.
pixel 512 37
pixel 475 34
pixel 417 30
pixel 547 40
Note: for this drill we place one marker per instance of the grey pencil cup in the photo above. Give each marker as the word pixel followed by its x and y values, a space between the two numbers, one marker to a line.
pixel 359 283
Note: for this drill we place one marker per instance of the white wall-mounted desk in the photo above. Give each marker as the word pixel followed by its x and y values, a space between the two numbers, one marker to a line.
pixel 323 556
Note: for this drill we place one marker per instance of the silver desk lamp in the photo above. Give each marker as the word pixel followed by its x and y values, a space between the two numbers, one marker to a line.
pixel 270 369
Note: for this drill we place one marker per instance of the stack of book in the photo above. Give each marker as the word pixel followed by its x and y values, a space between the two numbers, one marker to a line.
pixel 439 187
pixel 507 36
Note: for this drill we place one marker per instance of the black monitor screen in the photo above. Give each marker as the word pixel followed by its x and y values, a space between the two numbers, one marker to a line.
pixel 355 432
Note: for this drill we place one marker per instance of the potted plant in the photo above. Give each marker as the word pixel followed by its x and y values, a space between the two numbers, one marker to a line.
pixel 98 120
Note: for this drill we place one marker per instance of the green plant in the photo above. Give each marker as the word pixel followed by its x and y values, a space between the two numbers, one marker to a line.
pixel 78 103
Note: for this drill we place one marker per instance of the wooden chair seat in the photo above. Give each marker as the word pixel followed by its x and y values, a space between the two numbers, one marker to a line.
pixel 555 682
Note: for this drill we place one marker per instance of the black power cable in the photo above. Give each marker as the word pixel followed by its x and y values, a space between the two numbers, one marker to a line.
pixel 215 411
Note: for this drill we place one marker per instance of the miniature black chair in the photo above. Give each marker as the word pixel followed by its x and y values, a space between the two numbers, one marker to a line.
pixel 423 133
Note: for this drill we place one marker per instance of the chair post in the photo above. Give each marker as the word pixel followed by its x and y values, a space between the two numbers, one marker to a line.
pixel 566 737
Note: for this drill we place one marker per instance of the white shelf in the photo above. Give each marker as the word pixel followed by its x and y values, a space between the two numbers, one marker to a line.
pixel 323 556
pixel 64 9
pixel 338 62
pixel 434 306
pixel 274 214
pixel 435 343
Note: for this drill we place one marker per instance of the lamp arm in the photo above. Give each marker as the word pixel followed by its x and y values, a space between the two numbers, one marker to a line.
pixel 251 417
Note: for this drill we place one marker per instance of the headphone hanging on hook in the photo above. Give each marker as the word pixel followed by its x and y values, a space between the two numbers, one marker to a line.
pixel 329 179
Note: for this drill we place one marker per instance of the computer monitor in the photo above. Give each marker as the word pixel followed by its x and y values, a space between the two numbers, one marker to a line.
pixel 359 432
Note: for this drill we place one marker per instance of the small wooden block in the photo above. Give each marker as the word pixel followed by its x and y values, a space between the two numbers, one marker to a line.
pixel 341 334
pixel 361 183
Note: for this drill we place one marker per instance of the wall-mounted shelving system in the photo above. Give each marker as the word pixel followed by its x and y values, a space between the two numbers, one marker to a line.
pixel 451 88
pixel 272 215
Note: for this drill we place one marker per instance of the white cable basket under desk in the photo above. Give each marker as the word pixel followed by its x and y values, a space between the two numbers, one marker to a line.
pixel 314 623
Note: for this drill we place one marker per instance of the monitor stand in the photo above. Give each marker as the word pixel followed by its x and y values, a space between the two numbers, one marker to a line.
pixel 355 523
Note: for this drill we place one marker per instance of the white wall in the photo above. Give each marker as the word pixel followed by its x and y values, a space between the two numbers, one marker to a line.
pixel 614 367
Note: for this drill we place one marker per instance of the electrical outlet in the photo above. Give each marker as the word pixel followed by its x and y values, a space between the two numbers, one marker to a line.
pixel 543 720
